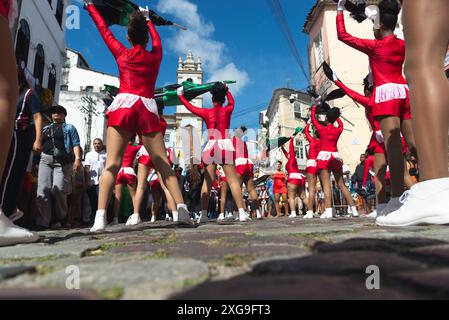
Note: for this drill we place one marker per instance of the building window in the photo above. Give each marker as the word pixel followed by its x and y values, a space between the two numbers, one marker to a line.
pixel 52 79
pixel 23 43
pixel 59 11
pixel 39 64
pixel 318 49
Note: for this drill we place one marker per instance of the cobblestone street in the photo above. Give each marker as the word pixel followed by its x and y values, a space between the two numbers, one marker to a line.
pixel 269 259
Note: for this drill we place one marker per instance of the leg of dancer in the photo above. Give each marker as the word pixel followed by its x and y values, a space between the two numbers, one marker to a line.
pixel 223 193
pixel 171 204
pixel 209 178
pixel 346 194
pixel 236 190
pixel 311 186
pixel 249 183
pixel 327 189
pixel 277 200
pixel 118 193
pixel 142 183
pixel 426 202
pixel 292 190
pixel 9 233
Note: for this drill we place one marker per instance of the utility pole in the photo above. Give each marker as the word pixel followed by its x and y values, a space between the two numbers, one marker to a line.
pixel 88 111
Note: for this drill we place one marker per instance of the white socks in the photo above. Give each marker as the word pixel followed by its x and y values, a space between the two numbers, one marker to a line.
pixel 100 221
pixel 10 234
pixel 134 220
pixel 175 216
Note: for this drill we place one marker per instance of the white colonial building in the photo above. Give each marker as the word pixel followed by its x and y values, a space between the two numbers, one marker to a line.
pixel 84 96
pixel 39 37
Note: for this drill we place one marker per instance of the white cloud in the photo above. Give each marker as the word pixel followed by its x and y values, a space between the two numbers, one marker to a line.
pixel 199 40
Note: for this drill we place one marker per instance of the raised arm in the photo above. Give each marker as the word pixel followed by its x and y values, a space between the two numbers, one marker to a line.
pixel 291 149
pixel 353 94
pixel 231 101
pixel 156 42
pixel 364 45
pixel 307 132
pixel 200 112
pixel 113 44
pixel 314 120
pixel 340 125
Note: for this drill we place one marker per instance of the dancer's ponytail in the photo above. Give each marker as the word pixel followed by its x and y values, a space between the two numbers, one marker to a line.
pixel 138 29
pixel 389 11
pixel 333 114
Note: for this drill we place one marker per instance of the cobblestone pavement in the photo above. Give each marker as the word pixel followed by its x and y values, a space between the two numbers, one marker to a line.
pixel 268 259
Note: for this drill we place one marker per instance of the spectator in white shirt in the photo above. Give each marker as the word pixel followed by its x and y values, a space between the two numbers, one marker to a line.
pixel 94 163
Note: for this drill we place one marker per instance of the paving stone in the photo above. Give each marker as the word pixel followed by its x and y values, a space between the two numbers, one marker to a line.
pixel 435 282
pixel 334 263
pixel 11 272
pixel 47 294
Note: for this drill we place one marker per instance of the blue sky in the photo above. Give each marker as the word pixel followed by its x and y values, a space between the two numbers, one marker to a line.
pixel 237 39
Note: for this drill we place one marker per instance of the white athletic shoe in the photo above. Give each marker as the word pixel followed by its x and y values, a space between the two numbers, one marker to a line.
pixel 202 218
pixel 393 205
pixel 244 217
pixel 372 215
pixel 134 220
pixel 167 217
pixel 184 215
pixel 328 214
pixel 309 215
pixel 221 217
pixel 354 212
pixel 10 234
pixel 425 203
pixel 259 216
pixel 292 216
pixel 99 222
pixel 153 219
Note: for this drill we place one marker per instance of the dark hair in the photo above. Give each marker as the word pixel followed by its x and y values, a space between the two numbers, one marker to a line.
pixel 23 83
pixel 138 29
pixel 389 11
pixel 333 114
pixel 219 91
pixel 370 152
pixel 279 162
pixel 367 85
pixel 244 129
pixel 323 108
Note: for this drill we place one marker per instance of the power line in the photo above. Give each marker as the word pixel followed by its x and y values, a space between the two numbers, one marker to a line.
pixel 282 20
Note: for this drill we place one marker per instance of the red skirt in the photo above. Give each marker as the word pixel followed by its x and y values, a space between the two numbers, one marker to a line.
pixel 146 161
pixel 312 167
pixel 137 119
pixel 392 99
pixel 218 152
pixel 330 161
pixel 126 176
pixel 296 178
pixel 244 167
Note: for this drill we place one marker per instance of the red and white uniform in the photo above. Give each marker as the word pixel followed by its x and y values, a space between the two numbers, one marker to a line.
pixel 376 143
pixel 134 108
pixel 8 9
pixel 154 182
pixel 368 166
pixel 314 151
pixel 294 174
pixel 386 58
pixel 243 165
pixel 143 156
pixel 219 148
pixel 329 157
pixel 127 175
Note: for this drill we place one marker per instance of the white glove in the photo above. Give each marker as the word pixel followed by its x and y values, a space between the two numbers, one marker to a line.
pixel 180 91
pixel 334 76
pixel 145 12
pixel 341 5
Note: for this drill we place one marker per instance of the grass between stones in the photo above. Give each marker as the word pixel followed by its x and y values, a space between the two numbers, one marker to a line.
pixel 159 254
pixel 32 260
pixel 237 260
pixel 111 293
pixel 168 238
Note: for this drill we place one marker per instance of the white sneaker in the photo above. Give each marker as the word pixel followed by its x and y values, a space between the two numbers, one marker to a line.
pixel 153 219
pixel 328 214
pixel 10 234
pixel 18 214
pixel 221 217
pixel 292 216
pixel 134 220
pixel 309 215
pixel 354 212
pixel 99 222
pixel 167 217
pixel 259 216
pixel 393 205
pixel 244 217
pixel 425 203
pixel 372 215
pixel 184 216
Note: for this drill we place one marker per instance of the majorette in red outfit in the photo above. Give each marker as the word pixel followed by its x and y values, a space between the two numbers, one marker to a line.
pixel 314 150
pixel 243 165
pixel 134 108
pixel 376 143
pixel 386 58
pixel 218 121
pixel 127 175
pixel 294 174
pixel 368 165
pixel 143 156
pixel 8 9
pixel 329 157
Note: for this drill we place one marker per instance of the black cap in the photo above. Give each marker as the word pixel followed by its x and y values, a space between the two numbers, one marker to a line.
pixel 57 109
